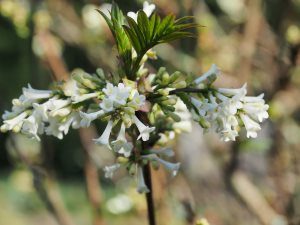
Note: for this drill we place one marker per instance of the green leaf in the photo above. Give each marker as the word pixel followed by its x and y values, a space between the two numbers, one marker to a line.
pixel 123 43
pixel 148 32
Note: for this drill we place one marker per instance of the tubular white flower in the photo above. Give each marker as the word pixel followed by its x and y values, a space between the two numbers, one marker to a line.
pixel 110 170
pixel 55 104
pixel 87 118
pixel 241 92
pixel 172 167
pixel 104 138
pixel 107 105
pixel 30 127
pixel 81 98
pixel 147 8
pixel 109 90
pixel 228 134
pixel 141 186
pixel 53 128
pixel 40 111
pixel 251 126
pixel 33 94
pixel 121 145
pixel 164 151
pixel 143 129
pixel 71 119
pixel 212 73
pixel 14 123
pixel 62 112
pixel 137 100
pixel 256 108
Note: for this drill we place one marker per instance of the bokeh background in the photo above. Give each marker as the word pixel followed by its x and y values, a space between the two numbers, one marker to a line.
pixel 249 182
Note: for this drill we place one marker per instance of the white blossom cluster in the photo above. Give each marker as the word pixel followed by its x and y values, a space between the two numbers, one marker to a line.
pixel 40 111
pixel 224 110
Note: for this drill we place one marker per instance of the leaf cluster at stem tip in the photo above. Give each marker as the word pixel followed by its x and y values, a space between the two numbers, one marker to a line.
pixel 143 34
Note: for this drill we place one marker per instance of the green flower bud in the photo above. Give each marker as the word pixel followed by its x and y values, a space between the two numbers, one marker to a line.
pixel 165 79
pixel 122 160
pixel 203 123
pixel 175 76
pixel 180 84
pixel 174 116
pixel 170 101
pixel 163 92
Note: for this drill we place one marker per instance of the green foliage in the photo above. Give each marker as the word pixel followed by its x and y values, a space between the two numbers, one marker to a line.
pixel 143 35
pixel 123 44
pixel 148 32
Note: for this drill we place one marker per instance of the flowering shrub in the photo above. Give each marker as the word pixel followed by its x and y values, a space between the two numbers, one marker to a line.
pixel 142 110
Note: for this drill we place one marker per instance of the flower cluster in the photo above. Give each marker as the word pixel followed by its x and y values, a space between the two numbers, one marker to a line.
pixel 40 111
pixel 141 111
pixel 224 110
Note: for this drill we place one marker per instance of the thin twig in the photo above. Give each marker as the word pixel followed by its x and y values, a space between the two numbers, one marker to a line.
pixel 46 189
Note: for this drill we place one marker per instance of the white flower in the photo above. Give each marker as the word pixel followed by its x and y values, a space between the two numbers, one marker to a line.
pixel 137 100
pixel 71 120
pixel 256 108
pixel 33 94
pixel 53 128
pixel 121 145
pixel 56 104
pixel 120 95
pixel 40 111
pixel 141 186
pixel 251 126
pixel 81 98
pixel 210 75
pixel 164 151
pixel 61 112
pixel 143 129
pixel 107 105
pixel 109 170
pixel 240 92
pixel 172 167
pixel 228 134
pixel 104 138
pixel 109 90
pixel 147 8
pixel 87 118
pixel 15 123
pixel 30 127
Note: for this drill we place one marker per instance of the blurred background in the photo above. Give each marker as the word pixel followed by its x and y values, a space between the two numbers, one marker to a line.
pixel 249 182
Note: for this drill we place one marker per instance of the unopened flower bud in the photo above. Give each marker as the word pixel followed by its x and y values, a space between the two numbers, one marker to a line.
pixel 203 123
pixel 164 92
pixel 170 101
pixel 3 128
pixel 165 79
pixel 180 84
pixel 122 160
pixel 17 128
pixel 175 76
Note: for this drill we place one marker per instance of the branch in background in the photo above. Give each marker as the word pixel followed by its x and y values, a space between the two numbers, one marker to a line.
pixel 91 174
pixel 46 188
pixel 254 200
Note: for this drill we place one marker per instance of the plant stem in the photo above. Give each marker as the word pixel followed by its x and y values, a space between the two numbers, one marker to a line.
pixel 189 90
pixel 149 195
